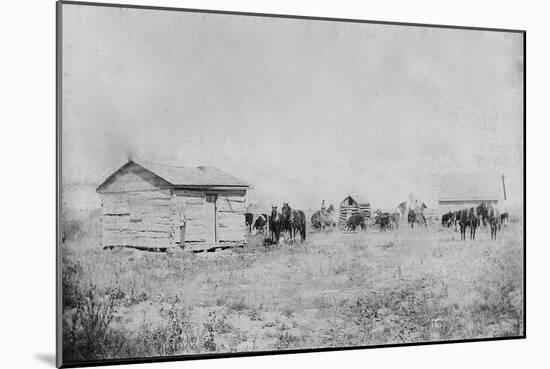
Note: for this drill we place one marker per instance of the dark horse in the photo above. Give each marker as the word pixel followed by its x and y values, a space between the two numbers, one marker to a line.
pixel 275 223
pixel 260 223
pixel 411 217
pixel 384 220
pixel 356 220
pixel 504 217
pixel 483 212
pixel 286 222
pixel 463 222
pixel 457 219
pixel 448 219
pixel 294 221
pixel 473 221
pixel 248 218
pixel 494 222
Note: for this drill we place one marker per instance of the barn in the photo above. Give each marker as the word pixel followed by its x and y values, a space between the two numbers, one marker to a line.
pixel 159 207
pixel 354 204
pixel 466 190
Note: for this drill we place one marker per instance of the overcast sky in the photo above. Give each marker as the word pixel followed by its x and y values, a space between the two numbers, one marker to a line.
pixel 303 110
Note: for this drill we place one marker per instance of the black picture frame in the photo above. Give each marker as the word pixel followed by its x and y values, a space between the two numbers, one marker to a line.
pixel 59 81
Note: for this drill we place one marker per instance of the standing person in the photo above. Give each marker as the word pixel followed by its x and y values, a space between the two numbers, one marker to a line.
pixel 182 225
pixel 323 206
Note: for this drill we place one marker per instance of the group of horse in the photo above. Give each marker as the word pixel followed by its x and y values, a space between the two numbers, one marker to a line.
pixel 482 215
pixel 292 222
pixel 329 218
pixel 391 220
pixel 289 222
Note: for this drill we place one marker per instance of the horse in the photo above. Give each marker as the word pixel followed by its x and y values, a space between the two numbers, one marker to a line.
pixel 248 219
pixel 457 215
pixel 286 222
pixel 322 219
pixel 494 222
pixel 447 219
pixel 411 217
pixel 384 220
pixel 275 223
pixel 356 220
pixel 395 218
pixel 293 221
pixel 260 223
pixel 328 219
pixel 401 208
pixel 298 221
pixel 483 213
pixel 421 219
pixel 504 220
pixel 473 221
pixel 463 223
pixel 316 220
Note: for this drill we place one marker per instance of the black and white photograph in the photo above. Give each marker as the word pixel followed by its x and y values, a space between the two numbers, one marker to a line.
pixel 238 183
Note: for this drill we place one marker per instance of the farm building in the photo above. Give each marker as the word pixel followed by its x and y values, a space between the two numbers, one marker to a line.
pixel 465 190
pixel 160 207
pixel 354 204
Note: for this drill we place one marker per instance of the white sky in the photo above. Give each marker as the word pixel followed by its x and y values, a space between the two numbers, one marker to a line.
pixel 303 110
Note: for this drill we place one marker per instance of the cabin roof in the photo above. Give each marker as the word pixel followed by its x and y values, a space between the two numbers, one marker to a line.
pixel 357 198
pixel 470 187
pixel 203 176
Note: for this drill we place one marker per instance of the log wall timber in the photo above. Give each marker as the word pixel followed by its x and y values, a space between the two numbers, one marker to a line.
pixel 230 209
pixel 137 219
pixel 346 211
pixel 192 205
pixel 231 220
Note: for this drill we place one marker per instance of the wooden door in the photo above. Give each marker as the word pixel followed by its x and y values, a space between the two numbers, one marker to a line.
pixel 210 218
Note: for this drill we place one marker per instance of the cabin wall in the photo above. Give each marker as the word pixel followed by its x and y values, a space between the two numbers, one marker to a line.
pixel 137 218
pixel 231 225
pixel 151 219
pixel 346 211
pixel 190 203
pixel 229 219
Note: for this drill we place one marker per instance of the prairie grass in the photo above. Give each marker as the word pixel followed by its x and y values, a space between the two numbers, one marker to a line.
pixel 335 289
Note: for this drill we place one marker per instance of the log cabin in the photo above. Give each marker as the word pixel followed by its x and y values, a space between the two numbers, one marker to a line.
pixel 158 207
pixel 354 204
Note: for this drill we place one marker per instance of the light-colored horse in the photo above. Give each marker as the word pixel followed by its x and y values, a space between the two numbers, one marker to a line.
pixel 328 219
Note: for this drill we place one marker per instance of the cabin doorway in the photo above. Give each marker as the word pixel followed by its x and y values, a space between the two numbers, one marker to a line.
pixel 211 218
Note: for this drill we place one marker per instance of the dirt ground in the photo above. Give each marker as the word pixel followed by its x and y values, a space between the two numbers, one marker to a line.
pixel 335 289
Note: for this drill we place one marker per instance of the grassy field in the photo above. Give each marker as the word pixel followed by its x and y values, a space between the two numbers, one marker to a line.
pixel 336 289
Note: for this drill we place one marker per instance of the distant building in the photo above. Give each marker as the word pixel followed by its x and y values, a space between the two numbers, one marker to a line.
pixel 354 204
pixel 463 190
pixel 161 207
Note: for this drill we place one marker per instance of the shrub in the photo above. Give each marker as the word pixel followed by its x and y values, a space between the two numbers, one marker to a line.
pixel 89 334
pixel 287 340
pixel 71 275
pixel 177 334
pixel 71 230
pixel 238 305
